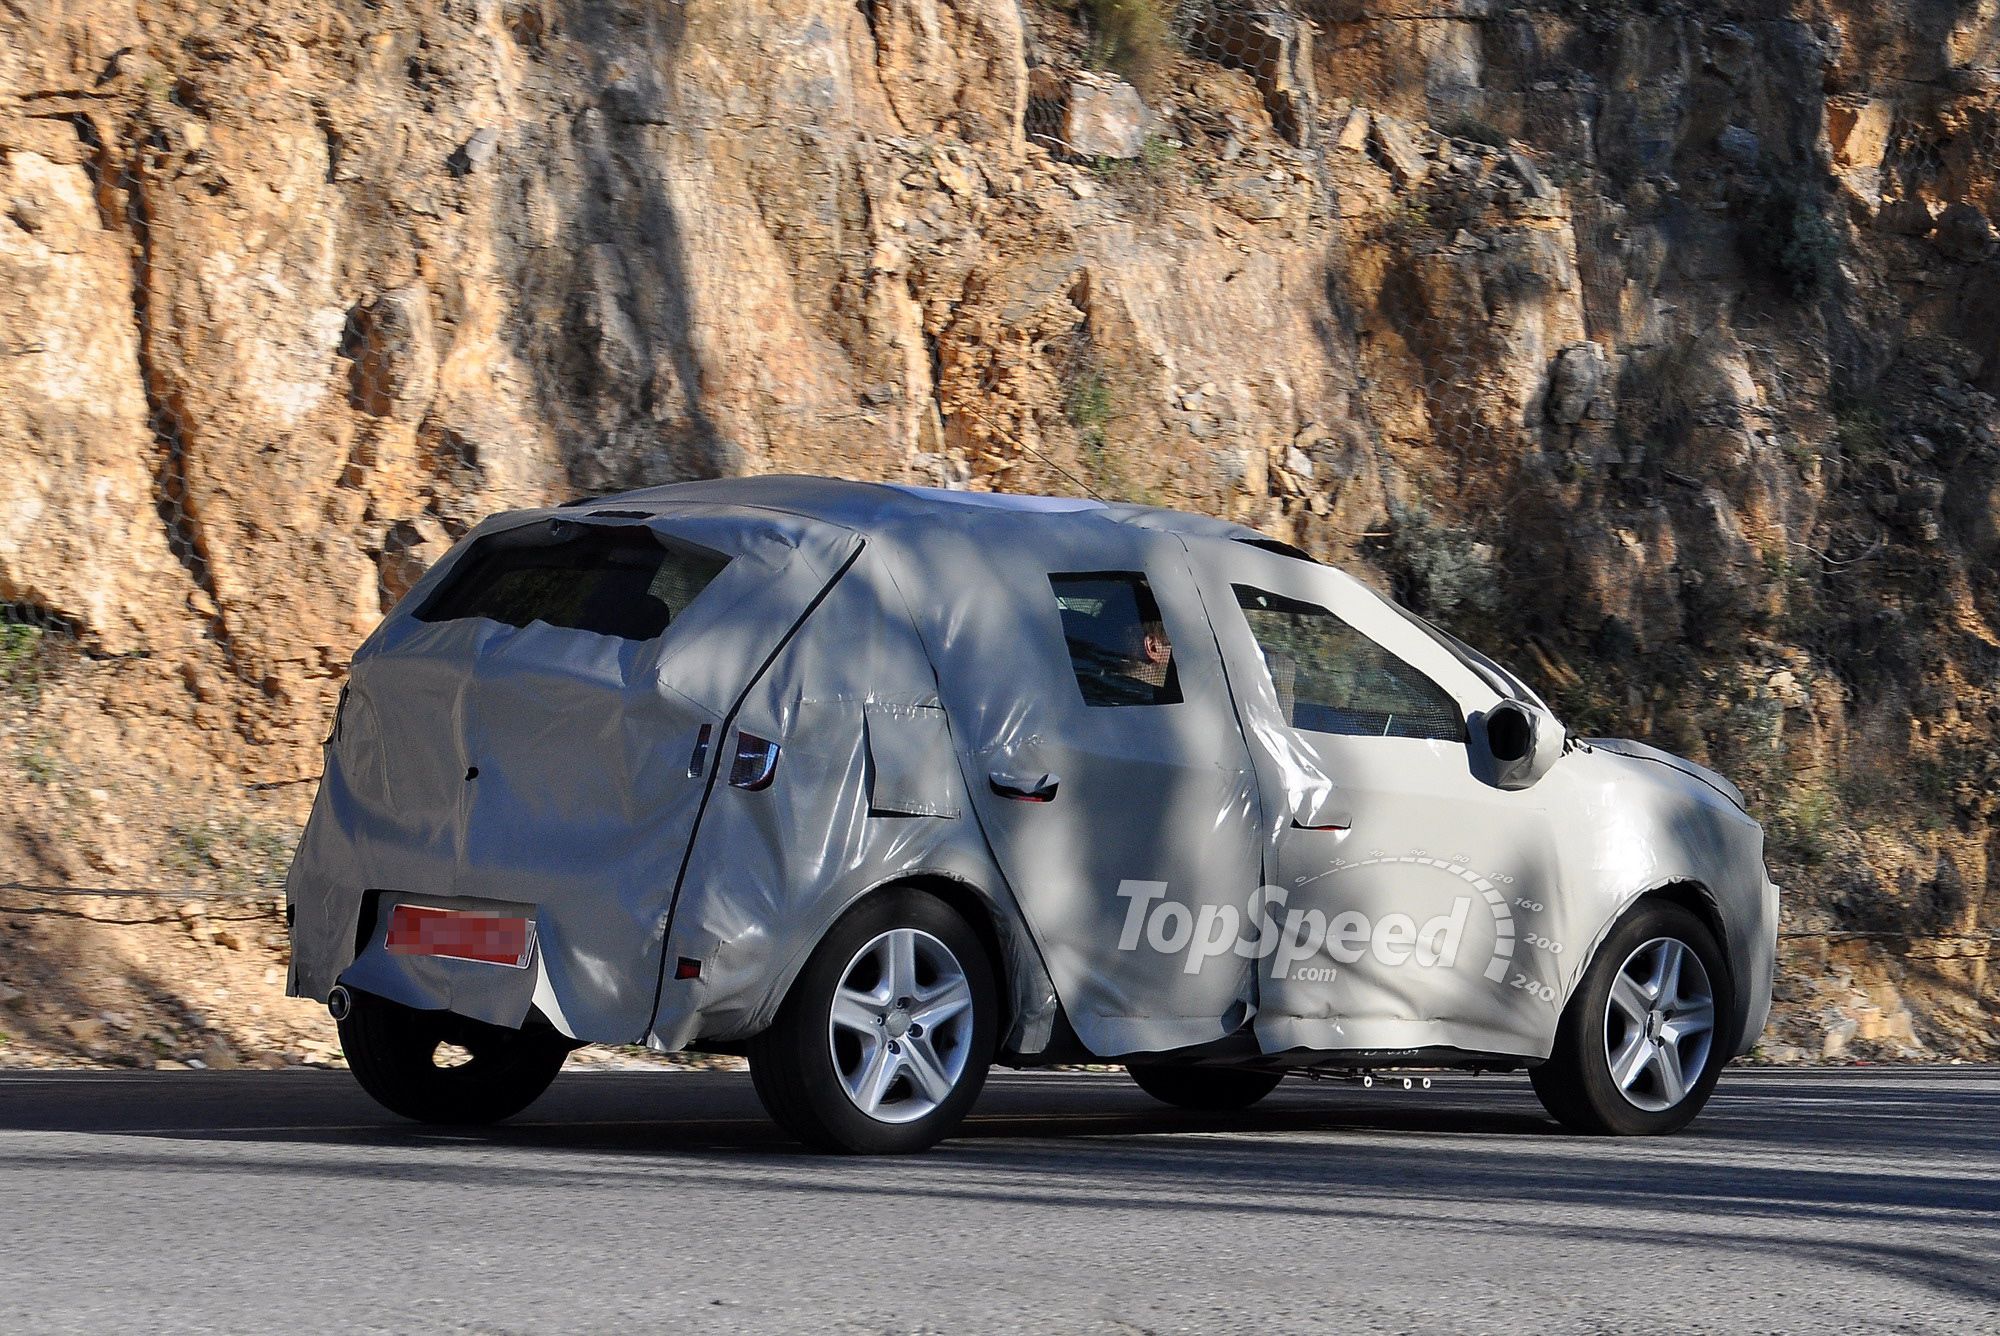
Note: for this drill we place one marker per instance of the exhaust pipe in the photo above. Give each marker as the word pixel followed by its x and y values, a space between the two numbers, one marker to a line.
pixel 339 1002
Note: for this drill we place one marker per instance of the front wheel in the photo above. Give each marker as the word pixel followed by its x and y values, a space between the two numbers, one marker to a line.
pixel 1212 1089
pixel 1640 1046
pixel 436 1067
pixel 883 1043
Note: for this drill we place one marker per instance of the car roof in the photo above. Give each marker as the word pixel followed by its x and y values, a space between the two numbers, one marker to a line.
pixel 881 508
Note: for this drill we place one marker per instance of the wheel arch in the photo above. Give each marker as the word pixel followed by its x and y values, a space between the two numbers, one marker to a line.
pixel 1028 1003
pixel 1698 900
pixel 978 911
pixel 1694 896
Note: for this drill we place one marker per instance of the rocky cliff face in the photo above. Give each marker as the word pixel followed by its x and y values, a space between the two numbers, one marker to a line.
pixel 1652 343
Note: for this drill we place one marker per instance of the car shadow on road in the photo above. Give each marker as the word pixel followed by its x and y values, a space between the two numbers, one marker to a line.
pixel 643 1114
pixel 1804 1176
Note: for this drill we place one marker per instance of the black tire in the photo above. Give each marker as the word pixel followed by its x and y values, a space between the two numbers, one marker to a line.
pixel 1577 1086
pixel 393 1051
pixel 798 1064
pixel 1211 1089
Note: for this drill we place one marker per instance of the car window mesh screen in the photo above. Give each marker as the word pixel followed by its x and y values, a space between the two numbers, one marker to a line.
pixel 1118 643
pixel 609 581
pixel 1332 679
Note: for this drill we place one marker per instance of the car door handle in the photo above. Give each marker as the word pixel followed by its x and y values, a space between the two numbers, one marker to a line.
pixel 1325 821
pixel 1024 788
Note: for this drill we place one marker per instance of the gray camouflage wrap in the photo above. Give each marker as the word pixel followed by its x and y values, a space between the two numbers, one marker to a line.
pixel 904 649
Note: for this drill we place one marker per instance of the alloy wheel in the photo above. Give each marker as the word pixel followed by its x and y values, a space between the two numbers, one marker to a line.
pixel 1659 1024
pixel 900 1028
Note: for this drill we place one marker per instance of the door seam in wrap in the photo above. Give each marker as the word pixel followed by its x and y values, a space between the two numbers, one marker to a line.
pixel 1004 882
pixel 715 772
pixel 1266 823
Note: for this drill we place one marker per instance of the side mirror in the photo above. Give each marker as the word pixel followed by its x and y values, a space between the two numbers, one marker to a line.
pixel 1522 742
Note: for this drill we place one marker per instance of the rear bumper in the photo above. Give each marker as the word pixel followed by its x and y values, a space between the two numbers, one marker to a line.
pixel 498 994
pixel 325 927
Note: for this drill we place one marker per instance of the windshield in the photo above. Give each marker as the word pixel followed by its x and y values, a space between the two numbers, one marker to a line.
pixel 1500 678
pixel 1489 671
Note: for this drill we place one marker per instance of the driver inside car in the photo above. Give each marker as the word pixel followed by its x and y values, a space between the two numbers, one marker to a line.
pixel 1151 660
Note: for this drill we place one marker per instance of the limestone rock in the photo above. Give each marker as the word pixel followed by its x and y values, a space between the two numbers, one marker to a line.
pixel 1740 146
pixel 1910 217
pixel 1354 131
pixel 392 344
pixel 476 152
pixel 1104 119
pixel 1574 382
pixel 957 61
pixel 218 1056
pixel 408 549
pixel 1730 49
pixel 81 537
pixel 1276 49
pixel 1963 232
pixel 1858 131
pixel 1399 152
pixel 1530 176
pixel 1255 199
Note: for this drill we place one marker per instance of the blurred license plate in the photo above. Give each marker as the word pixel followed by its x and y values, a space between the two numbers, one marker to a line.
pixel 415 930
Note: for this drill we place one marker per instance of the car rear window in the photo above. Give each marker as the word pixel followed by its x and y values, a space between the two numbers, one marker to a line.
pixel 1118 643
pixel 623 581
pixel 1332 679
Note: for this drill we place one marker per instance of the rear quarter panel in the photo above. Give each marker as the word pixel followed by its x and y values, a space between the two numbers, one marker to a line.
pixel 771 870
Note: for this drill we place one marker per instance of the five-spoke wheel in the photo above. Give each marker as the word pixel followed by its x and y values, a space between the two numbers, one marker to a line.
pixel 1659 1024
pixel 884 1040
pixel 1639 1047
pixel 900 1027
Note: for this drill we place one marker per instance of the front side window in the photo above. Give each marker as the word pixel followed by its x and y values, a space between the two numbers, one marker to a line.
pixel 1118 642
pixel 613 581
pixel 1330 678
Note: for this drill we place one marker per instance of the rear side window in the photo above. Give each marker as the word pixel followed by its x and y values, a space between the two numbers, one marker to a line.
pixel 611 581
pixel 1332 679
pixel 1118 643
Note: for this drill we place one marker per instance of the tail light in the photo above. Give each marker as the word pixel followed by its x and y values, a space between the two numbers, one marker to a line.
pixel 756 763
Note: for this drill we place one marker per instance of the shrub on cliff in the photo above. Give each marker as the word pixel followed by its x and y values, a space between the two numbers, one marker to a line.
pixel 1440 570
pixel 1786 236
pixel 1134 37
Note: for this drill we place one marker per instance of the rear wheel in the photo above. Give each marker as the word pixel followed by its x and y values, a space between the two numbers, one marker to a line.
pixel 883 1043
pixel 1640 1047
pixel 1209 1088
pixel 436 1067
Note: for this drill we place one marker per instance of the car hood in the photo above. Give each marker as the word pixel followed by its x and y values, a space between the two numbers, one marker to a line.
pixel 1639 751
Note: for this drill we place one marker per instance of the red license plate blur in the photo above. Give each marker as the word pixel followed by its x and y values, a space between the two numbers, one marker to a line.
pixel 415 930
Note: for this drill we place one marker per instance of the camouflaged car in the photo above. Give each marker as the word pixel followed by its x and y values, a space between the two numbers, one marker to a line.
pixel 878 785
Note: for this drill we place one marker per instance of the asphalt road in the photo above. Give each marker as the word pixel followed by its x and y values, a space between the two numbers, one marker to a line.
pixel 1846 1200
